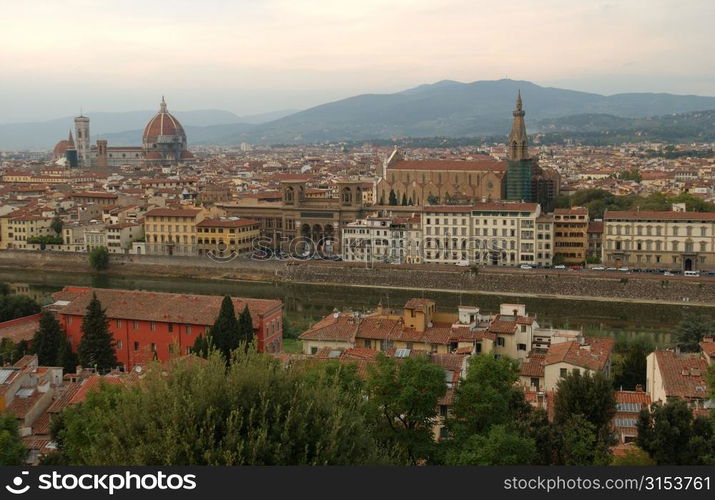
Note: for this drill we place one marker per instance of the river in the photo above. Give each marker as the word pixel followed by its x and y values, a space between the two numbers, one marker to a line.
pixel 305 303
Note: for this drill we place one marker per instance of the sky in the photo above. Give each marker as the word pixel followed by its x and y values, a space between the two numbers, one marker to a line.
pixel 255 56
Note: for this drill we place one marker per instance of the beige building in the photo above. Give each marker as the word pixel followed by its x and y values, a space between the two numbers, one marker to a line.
pixel 120 236
pixel 172 231
pixel 672 375
pixel 19 226
pixel 675 240
pixel 571 235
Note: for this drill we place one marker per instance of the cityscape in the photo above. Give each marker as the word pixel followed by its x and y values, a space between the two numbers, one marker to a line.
pixel 430 276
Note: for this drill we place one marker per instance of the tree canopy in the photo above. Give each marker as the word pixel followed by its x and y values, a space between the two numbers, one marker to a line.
pixel 96 348
pixel 99 258
pixel 12 451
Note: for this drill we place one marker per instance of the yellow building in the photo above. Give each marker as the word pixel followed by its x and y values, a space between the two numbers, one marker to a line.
pixel 19 226
pixel 172 231
pixel 226 236
pixel 571 235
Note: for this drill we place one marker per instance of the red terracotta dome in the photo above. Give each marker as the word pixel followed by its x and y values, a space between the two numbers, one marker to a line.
pixel 163 124
pixel 60 148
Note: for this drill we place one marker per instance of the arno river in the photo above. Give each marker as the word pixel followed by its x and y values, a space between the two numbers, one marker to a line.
pixel 304 303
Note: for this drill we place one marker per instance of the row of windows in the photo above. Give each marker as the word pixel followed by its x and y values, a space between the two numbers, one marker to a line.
pixel 656 231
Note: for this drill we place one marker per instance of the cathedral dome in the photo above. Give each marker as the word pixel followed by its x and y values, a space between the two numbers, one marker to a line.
pixel 164 127
pixel 60 148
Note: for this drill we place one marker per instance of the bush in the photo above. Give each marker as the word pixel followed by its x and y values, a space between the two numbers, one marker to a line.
pixel 99 258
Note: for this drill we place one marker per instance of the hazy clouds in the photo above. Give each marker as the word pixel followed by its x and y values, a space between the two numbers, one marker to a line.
pixel 250 56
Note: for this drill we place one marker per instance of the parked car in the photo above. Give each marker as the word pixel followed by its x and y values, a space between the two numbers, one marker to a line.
pixel 624 269
pixel 560 266
pixel 668 273
pixel 692 274
pixel 611 269
pixel 598 268
pixel 462 263
pixel 526 266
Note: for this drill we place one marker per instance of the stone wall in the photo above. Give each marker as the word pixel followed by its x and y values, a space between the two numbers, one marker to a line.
pixel 566 284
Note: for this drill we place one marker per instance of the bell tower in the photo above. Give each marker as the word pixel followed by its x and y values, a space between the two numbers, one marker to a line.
pixel 518 145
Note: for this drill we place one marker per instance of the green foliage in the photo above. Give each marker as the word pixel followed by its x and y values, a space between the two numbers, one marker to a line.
pixel 66 357
pixel 588 395
pixel 432 199
pixel 392 199
pixel 580 443
pixel 96 348
pixel 599 200
pixel 17 306
pixel 636 456
pixel 12 451
pixel 500 446
pixel 670 435
pixel 255 412
pixel 56 225
pixel 404 395
pixel 46 240
pixel 630 175
pixel 225 331
pixel 486 397
pixel 629 368
pixel 691 330
pixel 47 340
pixel 245 328
pixel 404 200
pixel 99 258
pixel 558 259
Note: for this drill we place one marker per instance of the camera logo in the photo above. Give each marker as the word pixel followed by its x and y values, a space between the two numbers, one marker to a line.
pixel 16 488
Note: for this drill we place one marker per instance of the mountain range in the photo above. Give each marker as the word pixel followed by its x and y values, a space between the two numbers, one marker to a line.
pixel 447 108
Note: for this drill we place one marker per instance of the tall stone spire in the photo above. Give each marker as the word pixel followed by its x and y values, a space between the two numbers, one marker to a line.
pixel 518 144
pixel 70 140
pixel 162 108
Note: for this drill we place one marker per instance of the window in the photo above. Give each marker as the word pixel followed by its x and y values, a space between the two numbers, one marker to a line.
pixel 313 350
pixel 188 329
pixel 171 327
pixel 443 410
pixel 153 347
pixel 521 347
pixel 367 344
pixel 119 344
pixel 136 325
pixel 153 326
pixel 563 372
pixel 136 346
pixel 535 382
pixel 119 323
pixel 500 341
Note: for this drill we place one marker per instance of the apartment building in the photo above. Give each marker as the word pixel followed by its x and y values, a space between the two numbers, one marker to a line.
pixel 120 236
pixel 19 226
pixel 172 231
pixel 571 235
pixel 675 240
pixel 381 239
pixel 226 236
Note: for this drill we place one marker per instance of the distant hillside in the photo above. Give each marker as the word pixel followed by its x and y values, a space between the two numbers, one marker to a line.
pixel 454 109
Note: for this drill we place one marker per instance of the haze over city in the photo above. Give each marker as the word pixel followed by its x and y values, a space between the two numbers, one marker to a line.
pixel 253 57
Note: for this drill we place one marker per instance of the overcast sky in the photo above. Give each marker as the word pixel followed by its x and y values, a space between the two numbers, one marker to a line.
pixel 253 56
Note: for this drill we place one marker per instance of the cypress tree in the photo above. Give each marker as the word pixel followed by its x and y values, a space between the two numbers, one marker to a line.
pixel 97 345
pixel 47 340
pixel 66 357
pixel 245 327
pixel 404 199
pixel 225 331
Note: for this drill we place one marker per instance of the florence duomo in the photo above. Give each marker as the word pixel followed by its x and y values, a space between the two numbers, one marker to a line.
pixel 163 144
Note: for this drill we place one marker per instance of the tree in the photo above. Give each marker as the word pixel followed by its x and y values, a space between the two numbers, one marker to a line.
pixel 245 327
pixel 404 394
pixel 392 199
pixel 558 259
pixel 255 412
pixel 47 340
pixel 12 451
pixel 404 199
pixel 580 443
pixel 590 396
pixel 99 258
pixel 96 348
pixel 17 306
pixel 630 370
pixel 9 352
pixel 691 330
pixel 500 446
pixel 432 199
pixel 670 435
pixel 635 456
pixel 486 397
pixel 225 332
pixel 66 357
pixel 56 225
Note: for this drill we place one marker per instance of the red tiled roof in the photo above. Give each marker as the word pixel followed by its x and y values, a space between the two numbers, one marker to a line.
pixel 707 346
pixel 172 212
pixel 20 328
pixel 336 327
pixel 683 375
pixel 159 306
pixel 496 206
pixel 226 223
pixel 419 304
pixel 533 366
pixel 481 163
pixel 593 354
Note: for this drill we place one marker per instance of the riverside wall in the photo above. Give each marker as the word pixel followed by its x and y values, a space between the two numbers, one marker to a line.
pixel 630 287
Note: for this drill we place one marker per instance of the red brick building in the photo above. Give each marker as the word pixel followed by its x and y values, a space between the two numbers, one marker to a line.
pixel 144 323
